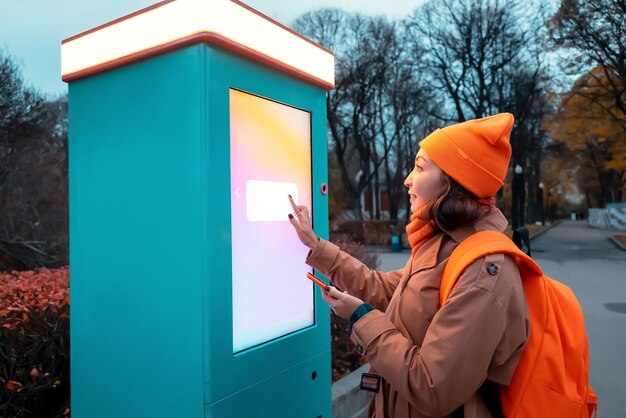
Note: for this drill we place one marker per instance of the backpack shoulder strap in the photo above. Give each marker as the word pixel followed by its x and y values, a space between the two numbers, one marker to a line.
pixel 471 249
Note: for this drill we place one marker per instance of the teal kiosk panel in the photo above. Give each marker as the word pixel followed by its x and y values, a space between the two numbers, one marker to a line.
pixel 188 288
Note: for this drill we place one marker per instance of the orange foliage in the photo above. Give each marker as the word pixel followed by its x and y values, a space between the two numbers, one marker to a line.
pixel 34 342
pixel 13 385
pixel 594 130
pixel 587 118
pixel 21 291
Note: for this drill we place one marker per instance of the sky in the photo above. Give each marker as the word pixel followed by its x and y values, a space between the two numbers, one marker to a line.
pixel 32 30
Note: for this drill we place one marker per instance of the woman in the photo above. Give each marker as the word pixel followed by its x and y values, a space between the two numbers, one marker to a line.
pixel 431 361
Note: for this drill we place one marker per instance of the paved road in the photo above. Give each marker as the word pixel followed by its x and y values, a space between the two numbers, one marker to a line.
pixel 584 259
pixel 595 269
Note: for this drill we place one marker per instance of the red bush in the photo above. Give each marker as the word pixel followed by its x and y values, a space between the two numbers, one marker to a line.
pixel 22 291
pixel 34 343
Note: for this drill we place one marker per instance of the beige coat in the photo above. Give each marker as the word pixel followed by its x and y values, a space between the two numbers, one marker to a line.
pixel 434 360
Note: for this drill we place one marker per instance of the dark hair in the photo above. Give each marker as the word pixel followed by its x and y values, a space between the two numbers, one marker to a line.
pixel 456 207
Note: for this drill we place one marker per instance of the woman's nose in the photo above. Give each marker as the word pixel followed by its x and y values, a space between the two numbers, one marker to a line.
pixel 407 180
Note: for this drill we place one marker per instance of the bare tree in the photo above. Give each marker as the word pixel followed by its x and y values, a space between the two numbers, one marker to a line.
pixel 484 58
pixel 395 108
pixel 452 60
pixel 406 102
pixel 33 174
pixel 353 107
pixel 468 46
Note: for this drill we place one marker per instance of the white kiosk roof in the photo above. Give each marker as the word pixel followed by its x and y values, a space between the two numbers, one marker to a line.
pixel 173 24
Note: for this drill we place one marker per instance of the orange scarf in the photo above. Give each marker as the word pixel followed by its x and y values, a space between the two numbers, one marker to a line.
pixel 487 203
pixel 419 230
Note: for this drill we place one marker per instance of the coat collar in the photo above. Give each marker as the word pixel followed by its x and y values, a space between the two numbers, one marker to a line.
pixel 428 254
pixel 493 221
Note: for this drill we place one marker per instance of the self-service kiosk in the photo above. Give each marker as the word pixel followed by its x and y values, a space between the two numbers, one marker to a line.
pixel 190 122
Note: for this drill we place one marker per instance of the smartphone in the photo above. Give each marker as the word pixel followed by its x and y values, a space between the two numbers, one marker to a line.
pixel 317 281
pixel 320 283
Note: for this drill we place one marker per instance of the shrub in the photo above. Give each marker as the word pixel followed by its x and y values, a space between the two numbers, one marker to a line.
pixel 366 232
pixel 377 232
pixel 34 344
pixel 348 231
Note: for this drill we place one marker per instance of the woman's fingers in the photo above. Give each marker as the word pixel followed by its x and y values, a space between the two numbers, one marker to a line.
pixel 293 205
pixel 301 222
pixel 334 293
pixel 293 221
pixel 328 299
pixel 300 214
pixel 341 303
pixel 299 211
pixel 304 215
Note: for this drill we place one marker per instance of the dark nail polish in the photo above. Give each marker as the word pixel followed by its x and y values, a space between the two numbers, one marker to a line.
pixel 327 289
pixel 290 216
pixel 336 287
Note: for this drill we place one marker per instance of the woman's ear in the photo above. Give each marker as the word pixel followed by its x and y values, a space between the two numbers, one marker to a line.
pixel 445 185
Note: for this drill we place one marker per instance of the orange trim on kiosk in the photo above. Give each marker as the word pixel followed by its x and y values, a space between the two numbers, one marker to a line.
pixel 253 10
pixel 118 20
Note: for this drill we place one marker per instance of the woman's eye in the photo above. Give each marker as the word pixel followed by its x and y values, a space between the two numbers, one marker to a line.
pixel 418 167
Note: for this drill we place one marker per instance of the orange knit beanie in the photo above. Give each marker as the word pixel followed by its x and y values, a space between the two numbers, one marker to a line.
pixel 475 153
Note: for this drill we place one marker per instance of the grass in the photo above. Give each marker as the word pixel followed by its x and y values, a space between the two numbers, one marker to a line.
pixel 534 229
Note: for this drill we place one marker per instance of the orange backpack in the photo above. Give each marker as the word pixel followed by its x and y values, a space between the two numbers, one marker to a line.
pixel 552 377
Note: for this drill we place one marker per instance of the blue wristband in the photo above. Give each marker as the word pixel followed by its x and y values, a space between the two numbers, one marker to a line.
pixel 359 313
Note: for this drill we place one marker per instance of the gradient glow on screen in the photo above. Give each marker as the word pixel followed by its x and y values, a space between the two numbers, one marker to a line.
pixel 270 158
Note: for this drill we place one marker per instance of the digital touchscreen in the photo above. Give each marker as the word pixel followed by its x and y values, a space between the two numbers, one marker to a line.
pixel 270 158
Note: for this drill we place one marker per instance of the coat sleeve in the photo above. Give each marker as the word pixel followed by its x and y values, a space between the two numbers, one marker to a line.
pixel 373 287
pixel 460 343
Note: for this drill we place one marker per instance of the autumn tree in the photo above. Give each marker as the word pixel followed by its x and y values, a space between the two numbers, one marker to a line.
pixel 597 138
pixel 593 33
pixel 592 113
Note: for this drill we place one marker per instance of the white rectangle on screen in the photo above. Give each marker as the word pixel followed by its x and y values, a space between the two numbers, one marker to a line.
pixel 267 200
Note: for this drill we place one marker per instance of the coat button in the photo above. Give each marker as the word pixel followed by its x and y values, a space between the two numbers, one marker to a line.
pixel 359 349
pixel 492 269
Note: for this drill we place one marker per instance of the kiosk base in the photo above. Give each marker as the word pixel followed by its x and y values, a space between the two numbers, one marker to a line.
pixel 271 398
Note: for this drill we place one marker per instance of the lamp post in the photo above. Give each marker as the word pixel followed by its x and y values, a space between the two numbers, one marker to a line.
pixel 540 203
pixel 558 205
pixel 517 211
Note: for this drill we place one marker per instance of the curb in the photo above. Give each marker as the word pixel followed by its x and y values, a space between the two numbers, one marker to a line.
pixel 546 229
pixel 348 400
pixel 617 244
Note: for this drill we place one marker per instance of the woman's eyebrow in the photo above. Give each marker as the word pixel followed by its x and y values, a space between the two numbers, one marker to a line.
pixel 420 158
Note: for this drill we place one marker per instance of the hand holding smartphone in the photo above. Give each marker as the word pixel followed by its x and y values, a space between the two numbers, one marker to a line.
pixel 320 283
